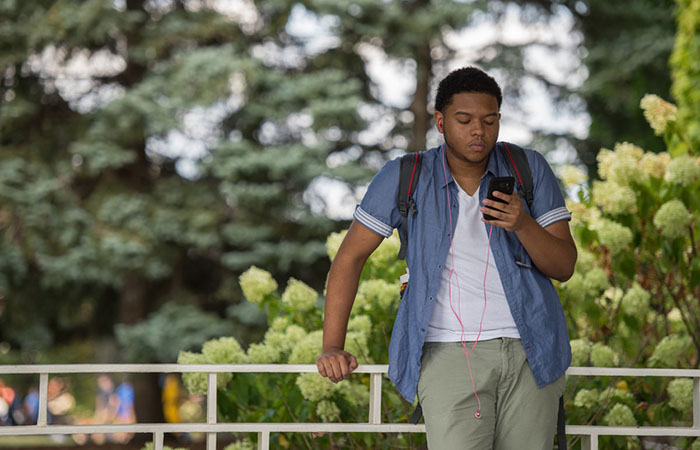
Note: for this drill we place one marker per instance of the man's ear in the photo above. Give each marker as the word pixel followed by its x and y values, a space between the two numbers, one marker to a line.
pixel 439 121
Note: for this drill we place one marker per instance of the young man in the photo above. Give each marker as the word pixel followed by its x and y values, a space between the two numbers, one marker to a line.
pixel 502 393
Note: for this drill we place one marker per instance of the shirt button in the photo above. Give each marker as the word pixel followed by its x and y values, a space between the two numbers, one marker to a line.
pixel 422 329
pixel 439 266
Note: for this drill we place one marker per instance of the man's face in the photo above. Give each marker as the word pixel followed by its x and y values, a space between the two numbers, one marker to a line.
pixel 470 125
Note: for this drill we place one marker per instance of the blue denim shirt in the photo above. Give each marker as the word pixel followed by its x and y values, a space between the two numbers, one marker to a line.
pixel 532 299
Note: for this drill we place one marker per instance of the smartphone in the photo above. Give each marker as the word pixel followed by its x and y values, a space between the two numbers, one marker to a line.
pixel 501 184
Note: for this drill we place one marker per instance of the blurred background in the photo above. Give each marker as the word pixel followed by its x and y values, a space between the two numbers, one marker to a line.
pixel 152 151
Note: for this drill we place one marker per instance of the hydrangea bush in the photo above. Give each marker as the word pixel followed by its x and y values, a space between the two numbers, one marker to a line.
pixel 633 300
pixel 294 336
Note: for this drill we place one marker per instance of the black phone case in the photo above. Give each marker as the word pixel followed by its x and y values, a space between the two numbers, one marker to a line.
pixel 501 184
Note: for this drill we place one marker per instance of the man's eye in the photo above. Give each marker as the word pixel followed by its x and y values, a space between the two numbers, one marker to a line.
pixel 489 122
pixel 466 122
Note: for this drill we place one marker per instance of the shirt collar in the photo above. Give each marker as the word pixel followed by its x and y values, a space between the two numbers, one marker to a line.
pixel 493 163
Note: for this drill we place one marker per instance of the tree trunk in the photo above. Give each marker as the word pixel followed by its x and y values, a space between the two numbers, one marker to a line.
pixel 133 308
pixel 419 105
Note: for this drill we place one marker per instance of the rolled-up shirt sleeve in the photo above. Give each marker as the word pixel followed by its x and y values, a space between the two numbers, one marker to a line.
pixel 548 205
pixel 378 210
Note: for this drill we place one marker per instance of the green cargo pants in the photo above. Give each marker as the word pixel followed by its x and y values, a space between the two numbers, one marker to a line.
pixel 515 413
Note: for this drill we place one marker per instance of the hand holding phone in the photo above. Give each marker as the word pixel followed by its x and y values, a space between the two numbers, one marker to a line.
pixel 500 184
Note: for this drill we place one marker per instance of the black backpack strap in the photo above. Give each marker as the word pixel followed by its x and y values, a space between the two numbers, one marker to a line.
pixel 408 178
pixel 417 414
pixel 520 169
pixel 561 425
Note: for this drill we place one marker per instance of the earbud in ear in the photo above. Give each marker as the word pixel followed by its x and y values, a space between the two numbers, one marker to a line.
pixel 440 126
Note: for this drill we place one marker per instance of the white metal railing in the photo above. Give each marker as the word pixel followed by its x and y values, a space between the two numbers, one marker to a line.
pixel 588 433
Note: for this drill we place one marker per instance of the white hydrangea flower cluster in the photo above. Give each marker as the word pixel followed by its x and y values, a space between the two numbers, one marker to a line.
pixel 314 387
pixel 299 295
pixel 673 219
pixel 578 211
pixel 571 175
pixel 294 334
pixel 279 323
pixel 580 351
pixel 680 393
pixel 612 235
pixel 655 164
pixel 225 350
pixel 613 393
pixel 333 243
pixel 386 253
pixel 361 324
pixel 583 324
pixel 596 280
pixel 256 284
pixel 611 297
pixel 658 112
pixel 586 398
pixel 244 444
pixel 585 261
pixel 683 170
pixel 621 166
pixel 328 411
pixel 277 339
pixel 668 351
pixel 263 354
pixel 149 446
pixel 675 319
pixel 385 294
pixel 604 356
pixel 620 416
pixel 307 349
pixel 355 393
pixel 636 301
pixel 614 198
pixel 195 383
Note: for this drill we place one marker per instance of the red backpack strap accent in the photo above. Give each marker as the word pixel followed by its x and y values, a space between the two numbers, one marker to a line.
pixel 520 169
pixel 408 178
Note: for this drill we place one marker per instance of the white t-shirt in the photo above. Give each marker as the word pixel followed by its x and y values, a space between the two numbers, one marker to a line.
pixel 466 299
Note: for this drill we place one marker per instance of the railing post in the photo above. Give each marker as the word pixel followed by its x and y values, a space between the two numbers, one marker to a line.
pixel 43 399
pixel 696 402
pixel 375 398
pixel 264 440
pixel 589 442
pixel 158 440
pixel 211 409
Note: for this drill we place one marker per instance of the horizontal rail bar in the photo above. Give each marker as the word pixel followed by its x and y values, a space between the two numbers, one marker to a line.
pixel 296 368
pixel 631 431
pixel 254 427
pixel 175 368
pixel 633 372
pixel 264 429
pixel 242 427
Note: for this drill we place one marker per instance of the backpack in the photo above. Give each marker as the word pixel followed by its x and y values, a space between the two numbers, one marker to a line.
pixel 410 170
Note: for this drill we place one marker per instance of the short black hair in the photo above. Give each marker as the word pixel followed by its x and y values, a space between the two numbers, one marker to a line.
pixel 466 79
